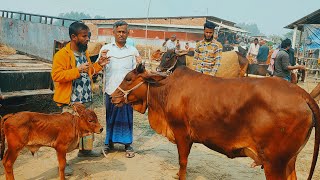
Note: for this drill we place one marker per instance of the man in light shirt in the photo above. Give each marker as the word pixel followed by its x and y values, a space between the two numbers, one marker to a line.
pixel 171 44
pixel 123 58
pixel 253 51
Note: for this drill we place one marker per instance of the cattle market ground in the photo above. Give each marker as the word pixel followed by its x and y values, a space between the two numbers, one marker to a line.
pixel 156 158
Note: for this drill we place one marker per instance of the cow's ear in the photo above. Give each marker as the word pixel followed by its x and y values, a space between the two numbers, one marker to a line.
pixel 78 107
pixel 140 68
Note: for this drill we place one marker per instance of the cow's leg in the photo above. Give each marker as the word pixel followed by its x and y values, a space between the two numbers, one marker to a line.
pixel 184 145
pixel 9 158
pixel 291 169
pixel 275 171
pixel 62 162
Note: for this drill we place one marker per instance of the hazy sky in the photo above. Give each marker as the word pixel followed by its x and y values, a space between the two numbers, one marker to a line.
pixel 270 15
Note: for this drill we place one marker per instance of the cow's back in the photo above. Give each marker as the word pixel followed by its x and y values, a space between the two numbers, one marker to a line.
pixel 216 110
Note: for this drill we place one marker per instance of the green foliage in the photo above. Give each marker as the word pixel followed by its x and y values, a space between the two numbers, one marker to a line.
pixel 99 17
pixel 75 15
pixel 276 38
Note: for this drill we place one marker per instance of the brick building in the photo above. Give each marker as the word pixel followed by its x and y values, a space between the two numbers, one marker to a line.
pixel 187 29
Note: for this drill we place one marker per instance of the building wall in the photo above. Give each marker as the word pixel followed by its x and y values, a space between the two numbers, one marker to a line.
pixel 96 31
pixel 32 38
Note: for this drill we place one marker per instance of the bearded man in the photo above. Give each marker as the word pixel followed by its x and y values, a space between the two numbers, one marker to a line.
pixel 207 54
pixel 72 72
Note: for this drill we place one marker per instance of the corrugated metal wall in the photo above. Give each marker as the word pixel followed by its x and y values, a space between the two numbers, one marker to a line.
pixel 32 38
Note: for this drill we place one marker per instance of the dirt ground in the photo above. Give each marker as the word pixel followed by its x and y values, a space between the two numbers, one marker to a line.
pixel 156 158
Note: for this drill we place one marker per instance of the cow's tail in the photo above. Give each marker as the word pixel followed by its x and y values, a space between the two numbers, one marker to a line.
pixel 316 113
pixel 2 135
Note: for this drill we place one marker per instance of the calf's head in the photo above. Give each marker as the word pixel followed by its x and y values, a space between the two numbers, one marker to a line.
pixel 88 120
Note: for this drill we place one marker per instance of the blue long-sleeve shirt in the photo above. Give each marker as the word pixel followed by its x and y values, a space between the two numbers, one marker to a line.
pixel 263 53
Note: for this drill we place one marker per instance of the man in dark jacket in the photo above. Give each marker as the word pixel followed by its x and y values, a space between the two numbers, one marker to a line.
pixel 282 62
pixel 263 53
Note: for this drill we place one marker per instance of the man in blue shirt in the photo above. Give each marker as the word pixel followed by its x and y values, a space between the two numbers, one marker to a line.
pixel 263 53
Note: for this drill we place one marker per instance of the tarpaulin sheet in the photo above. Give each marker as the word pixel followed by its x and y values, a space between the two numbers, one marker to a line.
pixel 312 36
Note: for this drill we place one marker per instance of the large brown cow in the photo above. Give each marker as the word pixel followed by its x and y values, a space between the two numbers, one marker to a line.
pixel 267 119
pixel 34 130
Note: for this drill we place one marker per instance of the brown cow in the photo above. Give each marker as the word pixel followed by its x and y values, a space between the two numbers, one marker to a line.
pixel 267 119
pixel 34 130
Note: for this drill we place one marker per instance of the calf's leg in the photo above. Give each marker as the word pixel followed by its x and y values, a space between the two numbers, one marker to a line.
pixel 10 157
pixel 62 163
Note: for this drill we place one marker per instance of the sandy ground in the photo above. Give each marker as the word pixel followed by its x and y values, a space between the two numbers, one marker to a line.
pixel 156 158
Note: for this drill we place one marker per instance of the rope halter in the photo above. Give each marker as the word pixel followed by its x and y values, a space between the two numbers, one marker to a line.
pixel 127 92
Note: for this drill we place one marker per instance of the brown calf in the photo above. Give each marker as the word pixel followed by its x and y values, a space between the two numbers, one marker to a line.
pixel 34 130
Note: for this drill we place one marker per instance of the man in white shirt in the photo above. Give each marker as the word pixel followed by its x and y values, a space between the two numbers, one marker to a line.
pixel 253 51
pixel 171 45
pixel 123 58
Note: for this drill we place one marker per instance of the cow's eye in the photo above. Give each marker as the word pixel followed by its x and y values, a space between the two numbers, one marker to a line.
pixel 128 79
pixel 91 121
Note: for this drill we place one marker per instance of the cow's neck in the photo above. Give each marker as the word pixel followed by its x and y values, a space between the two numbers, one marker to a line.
pixel 156 114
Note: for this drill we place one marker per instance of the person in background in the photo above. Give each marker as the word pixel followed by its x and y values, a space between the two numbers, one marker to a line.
pixel 253 51
pixel 171 45
pixel 178 46
pixel 207 54
pixel 282 66
pixel 186 47
pixel 263 53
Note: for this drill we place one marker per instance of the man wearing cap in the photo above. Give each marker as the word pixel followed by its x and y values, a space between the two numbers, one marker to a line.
pixel 171 45
pixel 207 54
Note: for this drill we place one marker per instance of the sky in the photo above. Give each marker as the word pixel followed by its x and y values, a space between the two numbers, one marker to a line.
pixel 270 15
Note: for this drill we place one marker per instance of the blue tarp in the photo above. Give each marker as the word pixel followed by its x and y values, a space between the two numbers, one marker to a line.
pixel 312 36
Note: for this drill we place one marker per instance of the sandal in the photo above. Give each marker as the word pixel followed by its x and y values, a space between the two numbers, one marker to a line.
pixel 129 152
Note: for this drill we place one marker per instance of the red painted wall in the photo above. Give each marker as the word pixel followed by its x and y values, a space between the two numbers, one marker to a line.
pixel 152 34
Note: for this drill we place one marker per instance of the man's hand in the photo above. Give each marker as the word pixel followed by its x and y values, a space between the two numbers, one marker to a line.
pixel 84 67
pixel 138 59
pixel 103 60
pixel 302 67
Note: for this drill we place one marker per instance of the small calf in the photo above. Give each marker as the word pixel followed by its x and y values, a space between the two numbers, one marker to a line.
pixel 34 130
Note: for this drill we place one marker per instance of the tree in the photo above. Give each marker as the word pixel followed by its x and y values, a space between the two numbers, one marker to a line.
pixel 75 15
pixel 276 38
pixel 252 28
pixel 288 35
pixel 71 15
pixel 99 17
